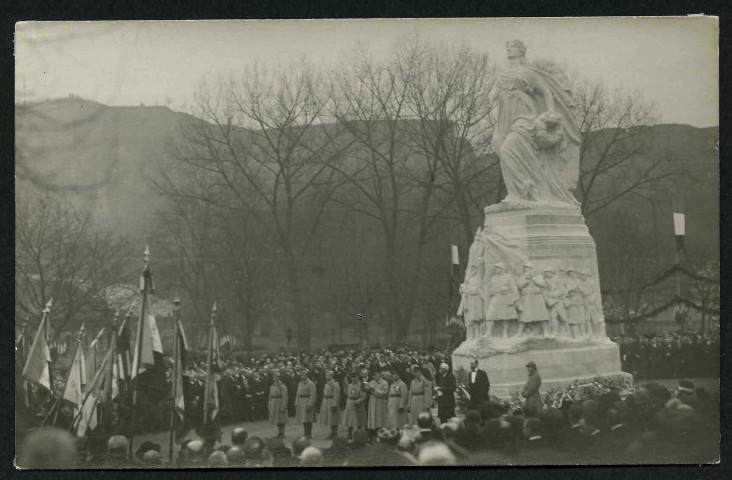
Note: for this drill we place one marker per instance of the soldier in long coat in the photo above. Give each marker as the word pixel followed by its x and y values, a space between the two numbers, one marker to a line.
pixel 574 303
pixel 472 304
pixel 593 310
pixel 530 391
pixel 420 395
pixel 504 299
pixel 330 410
pixel 305 403
pixel 533 305
pixel 277 404
pixel 398 401
pixel 553 295
pixel 379 391
pixel 354 416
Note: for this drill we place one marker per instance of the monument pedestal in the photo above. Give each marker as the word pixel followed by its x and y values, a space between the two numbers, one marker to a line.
pixel 559 361
pixel 545 236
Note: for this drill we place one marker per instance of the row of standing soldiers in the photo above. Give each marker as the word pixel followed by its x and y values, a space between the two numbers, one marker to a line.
pixel 382 399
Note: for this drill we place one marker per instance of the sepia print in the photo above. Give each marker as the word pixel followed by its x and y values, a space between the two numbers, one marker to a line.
pixel 362 243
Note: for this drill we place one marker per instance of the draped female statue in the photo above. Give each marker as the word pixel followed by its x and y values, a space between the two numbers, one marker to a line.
pixel 536 135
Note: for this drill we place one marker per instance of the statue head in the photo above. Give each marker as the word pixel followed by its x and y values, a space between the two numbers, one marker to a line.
pixel 515 49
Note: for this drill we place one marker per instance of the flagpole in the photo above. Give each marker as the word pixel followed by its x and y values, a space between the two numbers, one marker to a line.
pixel 46 322
pixel 109 374
pixel 68 375
pixel 209 356
pixel 176 307
pixel 77 417
pixel 81 376
pixel 145 284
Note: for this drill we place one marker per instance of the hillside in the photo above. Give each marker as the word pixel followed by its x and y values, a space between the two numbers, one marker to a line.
pixel 104 158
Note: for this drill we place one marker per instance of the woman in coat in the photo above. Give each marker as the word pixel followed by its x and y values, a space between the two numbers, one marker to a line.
pixel 330 410
pixel 277 404
pixel 354 416
pixel 420 395
pixel 379 391
pixel 397 403
pixel 305 403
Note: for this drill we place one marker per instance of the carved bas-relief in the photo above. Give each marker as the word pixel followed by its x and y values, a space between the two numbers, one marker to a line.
pixel 532 289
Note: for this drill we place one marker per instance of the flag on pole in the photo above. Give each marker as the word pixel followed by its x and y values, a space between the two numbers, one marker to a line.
pixel 123 351
pixel 180 407
pixel 679 225
pixel 180 425
pixel 86 418
pixel 75 379
pixel 37 364
pixel 149 344
pixel 213 377
pixel 91 360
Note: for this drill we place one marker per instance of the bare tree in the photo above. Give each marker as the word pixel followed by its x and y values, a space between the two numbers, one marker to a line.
pixel 62 254
pixel 617 134
pixel 450 94
pixel 393 185
pixel 276 169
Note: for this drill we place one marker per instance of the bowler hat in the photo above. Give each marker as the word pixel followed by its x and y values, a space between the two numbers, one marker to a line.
pixel 531 364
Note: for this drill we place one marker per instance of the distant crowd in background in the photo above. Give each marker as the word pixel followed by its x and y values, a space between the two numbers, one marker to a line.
pixel 671 355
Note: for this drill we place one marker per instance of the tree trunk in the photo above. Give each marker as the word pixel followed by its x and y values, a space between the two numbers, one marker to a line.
pixel 299 313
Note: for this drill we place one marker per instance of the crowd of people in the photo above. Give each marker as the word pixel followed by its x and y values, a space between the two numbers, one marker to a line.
pixel 377 404
pixel 677 355
pixel 653 424
pixel 245 383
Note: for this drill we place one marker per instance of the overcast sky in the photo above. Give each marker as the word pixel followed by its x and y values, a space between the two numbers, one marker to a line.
pixel 674 61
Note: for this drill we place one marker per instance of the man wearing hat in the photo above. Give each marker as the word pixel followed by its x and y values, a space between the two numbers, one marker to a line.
pixel 445 392
pixel 553 295
pixel 305 403
pixel 504 299
pixel 533 305
pixel 531 388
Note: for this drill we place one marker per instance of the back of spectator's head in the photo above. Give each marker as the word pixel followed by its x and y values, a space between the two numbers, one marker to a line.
pixel 532 426
pixel 235 456
pixel 472 417
pixel 576 412
pixel 145 447
pixel 238 436
pixel 311 456
pixel 117 445
pixel 435 453
pixel 47 448
pixel 301 444
pixel 360 438
pixel 552 422
pixel 195 451
pixel 152 457
pixel 217 460
pixel 530 411
pixel 425 420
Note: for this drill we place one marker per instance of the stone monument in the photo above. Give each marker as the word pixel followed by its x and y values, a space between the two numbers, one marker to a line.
pixel 534 257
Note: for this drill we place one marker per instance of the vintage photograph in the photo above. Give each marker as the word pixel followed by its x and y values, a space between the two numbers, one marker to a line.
pixel 367 242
